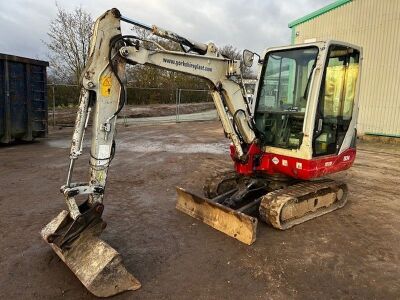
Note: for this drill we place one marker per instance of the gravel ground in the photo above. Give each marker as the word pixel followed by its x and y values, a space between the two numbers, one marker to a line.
pixel 352 253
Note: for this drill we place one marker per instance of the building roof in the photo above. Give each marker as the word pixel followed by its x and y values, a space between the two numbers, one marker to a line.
pixel 318 12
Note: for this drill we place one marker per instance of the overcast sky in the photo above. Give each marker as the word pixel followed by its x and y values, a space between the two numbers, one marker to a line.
pixel 252 24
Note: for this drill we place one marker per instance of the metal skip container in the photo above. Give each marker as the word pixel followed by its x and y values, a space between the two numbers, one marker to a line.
pixel 23 98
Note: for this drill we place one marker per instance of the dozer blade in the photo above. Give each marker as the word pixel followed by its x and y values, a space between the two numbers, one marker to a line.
pixel 96 264
pixel 231 222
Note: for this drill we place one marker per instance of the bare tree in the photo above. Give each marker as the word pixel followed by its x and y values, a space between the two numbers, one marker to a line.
pixel 233 53
pixel 146 76
pixel 69 38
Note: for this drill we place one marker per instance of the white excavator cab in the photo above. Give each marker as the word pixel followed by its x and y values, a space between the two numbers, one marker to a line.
pixel 305 99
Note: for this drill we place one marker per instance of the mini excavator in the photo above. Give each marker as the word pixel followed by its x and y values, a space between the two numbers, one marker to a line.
pixel 302 128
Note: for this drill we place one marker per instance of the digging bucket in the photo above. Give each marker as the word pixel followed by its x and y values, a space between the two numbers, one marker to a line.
pixel 96 264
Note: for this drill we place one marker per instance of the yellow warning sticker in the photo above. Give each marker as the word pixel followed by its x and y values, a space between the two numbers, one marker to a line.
pixel 105 85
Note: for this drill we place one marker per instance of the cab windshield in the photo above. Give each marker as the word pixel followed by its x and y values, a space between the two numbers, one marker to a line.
pixel 282 96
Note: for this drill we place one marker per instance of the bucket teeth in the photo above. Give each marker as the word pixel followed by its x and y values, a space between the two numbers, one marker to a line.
pixel 96 264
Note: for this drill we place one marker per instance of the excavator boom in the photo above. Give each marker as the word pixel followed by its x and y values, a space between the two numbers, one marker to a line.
pixel 74 233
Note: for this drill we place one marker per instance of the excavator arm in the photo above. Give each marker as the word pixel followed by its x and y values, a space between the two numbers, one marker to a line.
pixel 102 97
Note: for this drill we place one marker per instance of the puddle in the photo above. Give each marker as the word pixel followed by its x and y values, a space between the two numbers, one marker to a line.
pixel 149 147
pixel 64 143
pixel 154 146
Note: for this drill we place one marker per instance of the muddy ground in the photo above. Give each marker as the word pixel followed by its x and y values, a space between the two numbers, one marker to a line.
pixel 65 116
pixel 353 253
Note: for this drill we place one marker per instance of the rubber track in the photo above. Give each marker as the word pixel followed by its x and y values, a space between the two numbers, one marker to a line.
pixel 273 202
pixel 210 187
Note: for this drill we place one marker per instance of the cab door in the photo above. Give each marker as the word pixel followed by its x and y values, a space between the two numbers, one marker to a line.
pixel 337 99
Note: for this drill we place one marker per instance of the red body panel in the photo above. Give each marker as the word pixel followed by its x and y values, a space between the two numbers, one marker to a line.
pixel 305 169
